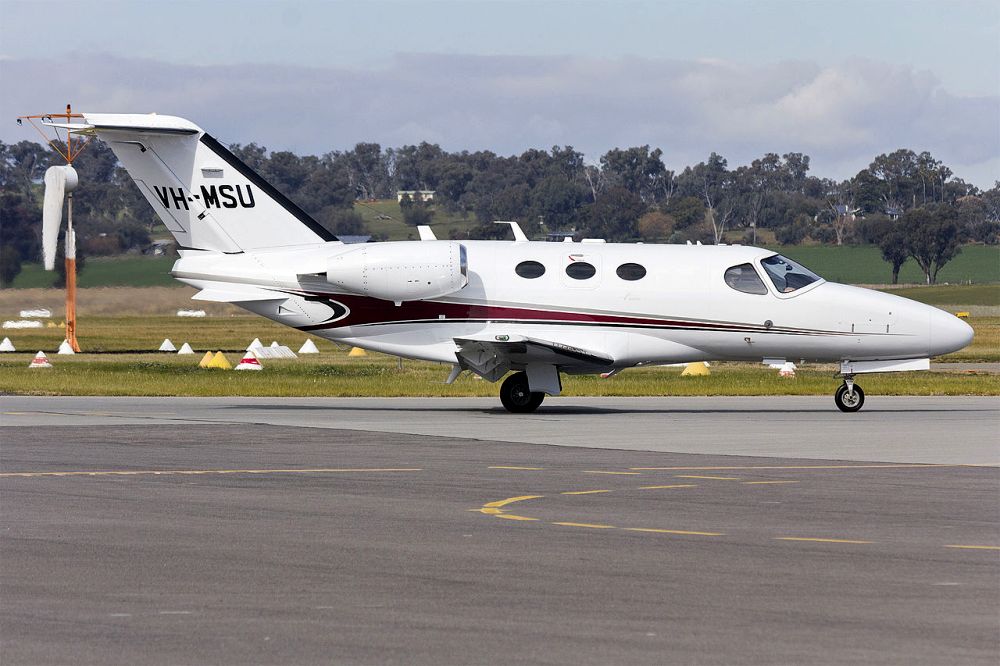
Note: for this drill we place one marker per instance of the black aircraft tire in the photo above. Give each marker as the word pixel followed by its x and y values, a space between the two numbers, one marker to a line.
pixel 847 403
pixel 516 397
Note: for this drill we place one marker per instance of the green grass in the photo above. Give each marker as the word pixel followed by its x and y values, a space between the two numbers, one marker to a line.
pixel 131 367
pixel 864 265
pixel 849 264
pixel 120 334
pixel 956 295
pixel 337 375
pixel 394 229
pixel 124 271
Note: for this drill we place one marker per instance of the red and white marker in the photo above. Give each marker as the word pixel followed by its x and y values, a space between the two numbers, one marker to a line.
pixel 249 362
pixel 40 361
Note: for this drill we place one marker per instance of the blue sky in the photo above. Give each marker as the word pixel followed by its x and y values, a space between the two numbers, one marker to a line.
pixel 840 81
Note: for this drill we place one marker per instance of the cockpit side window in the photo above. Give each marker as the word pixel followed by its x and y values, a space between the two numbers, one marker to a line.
pixel 788 275
pixel 744 278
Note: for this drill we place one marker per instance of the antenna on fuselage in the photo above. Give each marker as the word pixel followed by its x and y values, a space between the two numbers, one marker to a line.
pixel 519 236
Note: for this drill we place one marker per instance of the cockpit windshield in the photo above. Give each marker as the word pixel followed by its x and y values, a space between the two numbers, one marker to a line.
pixel 788 275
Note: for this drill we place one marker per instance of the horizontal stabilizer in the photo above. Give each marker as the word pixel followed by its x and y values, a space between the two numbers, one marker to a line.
pixel 238 295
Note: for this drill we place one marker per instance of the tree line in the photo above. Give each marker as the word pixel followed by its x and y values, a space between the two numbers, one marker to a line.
pixel 909 204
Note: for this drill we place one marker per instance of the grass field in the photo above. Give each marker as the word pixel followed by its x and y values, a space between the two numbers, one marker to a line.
pixel 337 375
pixel 129 366
pixel 851 265
pixel 125 271
pixel 385 217
pixel 128 333
pixel 954 295
pixel 864 264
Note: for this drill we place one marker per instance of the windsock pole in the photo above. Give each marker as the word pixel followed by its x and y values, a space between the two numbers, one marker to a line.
pixel 69 156
pixel 71 277
pixel 70 256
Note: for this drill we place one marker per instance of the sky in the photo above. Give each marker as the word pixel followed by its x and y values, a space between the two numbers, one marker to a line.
pixel 841 81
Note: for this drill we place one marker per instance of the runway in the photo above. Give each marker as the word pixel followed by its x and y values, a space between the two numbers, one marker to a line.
pixel 889 429
pixel 218 531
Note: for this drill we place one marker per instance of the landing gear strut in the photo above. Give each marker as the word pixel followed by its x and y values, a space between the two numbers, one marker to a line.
pixel 517 397
pixel 849 397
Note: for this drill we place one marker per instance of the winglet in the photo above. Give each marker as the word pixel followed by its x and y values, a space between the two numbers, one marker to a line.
pixel 426 233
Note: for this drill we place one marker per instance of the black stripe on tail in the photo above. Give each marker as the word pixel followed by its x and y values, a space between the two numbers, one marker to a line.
pixel 267 188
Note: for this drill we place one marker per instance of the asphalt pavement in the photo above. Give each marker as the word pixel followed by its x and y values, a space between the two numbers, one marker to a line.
pixel 152 539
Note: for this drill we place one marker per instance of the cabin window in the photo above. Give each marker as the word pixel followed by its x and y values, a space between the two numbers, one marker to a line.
pixel 788 275
pixel 580 270
pixel 744 278
pixel 631 272
pixel 530 269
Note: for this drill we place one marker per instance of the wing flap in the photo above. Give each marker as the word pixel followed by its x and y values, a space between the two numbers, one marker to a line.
pixel 492 358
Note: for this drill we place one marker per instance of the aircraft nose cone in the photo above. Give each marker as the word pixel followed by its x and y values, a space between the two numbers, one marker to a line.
pixel 948 333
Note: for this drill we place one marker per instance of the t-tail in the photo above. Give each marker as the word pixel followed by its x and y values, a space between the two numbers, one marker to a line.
pixel 207 198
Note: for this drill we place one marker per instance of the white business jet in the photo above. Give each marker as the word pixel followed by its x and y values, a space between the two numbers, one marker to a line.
pixel 533 309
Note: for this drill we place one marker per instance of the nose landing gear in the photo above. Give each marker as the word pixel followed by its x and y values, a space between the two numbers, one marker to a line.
pixel 849 397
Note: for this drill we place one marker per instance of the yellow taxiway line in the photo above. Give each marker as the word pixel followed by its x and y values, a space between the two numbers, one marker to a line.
pixel 196 472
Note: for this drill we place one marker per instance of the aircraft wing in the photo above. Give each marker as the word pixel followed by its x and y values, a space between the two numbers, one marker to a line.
pixel 492 358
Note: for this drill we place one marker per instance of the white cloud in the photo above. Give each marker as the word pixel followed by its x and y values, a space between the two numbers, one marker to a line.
pixel 841 115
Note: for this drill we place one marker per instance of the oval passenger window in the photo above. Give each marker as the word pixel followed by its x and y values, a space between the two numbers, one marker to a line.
pixel 631 272
pixel 581 270
pixel 530 269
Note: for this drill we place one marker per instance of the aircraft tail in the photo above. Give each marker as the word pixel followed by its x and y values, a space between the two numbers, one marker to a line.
pixel 207 198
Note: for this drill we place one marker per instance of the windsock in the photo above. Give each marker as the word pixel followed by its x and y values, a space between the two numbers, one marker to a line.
pixel 40 361
pixel 249 362
pixel 58 181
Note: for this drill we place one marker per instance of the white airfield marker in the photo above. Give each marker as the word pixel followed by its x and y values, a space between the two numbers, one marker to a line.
pixel 40 361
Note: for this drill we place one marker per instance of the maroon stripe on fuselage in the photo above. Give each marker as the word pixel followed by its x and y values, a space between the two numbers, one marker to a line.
pixel 366 310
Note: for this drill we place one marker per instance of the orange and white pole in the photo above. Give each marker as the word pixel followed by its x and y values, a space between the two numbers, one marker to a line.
pixel 70 252
pixel 71 277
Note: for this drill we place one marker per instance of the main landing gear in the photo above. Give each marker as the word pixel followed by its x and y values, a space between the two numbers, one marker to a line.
pixel 517 397
pixel 849 397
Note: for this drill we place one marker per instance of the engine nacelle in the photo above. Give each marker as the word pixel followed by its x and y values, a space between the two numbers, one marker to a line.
pixel 400 271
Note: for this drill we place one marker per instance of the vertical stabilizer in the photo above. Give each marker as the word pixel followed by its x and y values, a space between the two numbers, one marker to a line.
pixel 206 197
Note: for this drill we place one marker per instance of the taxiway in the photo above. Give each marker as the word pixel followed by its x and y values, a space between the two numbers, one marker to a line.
pixel 426 531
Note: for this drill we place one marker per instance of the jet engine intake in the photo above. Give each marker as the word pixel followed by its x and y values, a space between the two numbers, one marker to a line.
pixel 400 271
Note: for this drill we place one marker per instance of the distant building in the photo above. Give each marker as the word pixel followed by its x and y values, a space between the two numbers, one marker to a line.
pixel 157 248
pixel 893 212
pixel 843 210
pixel 422 196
